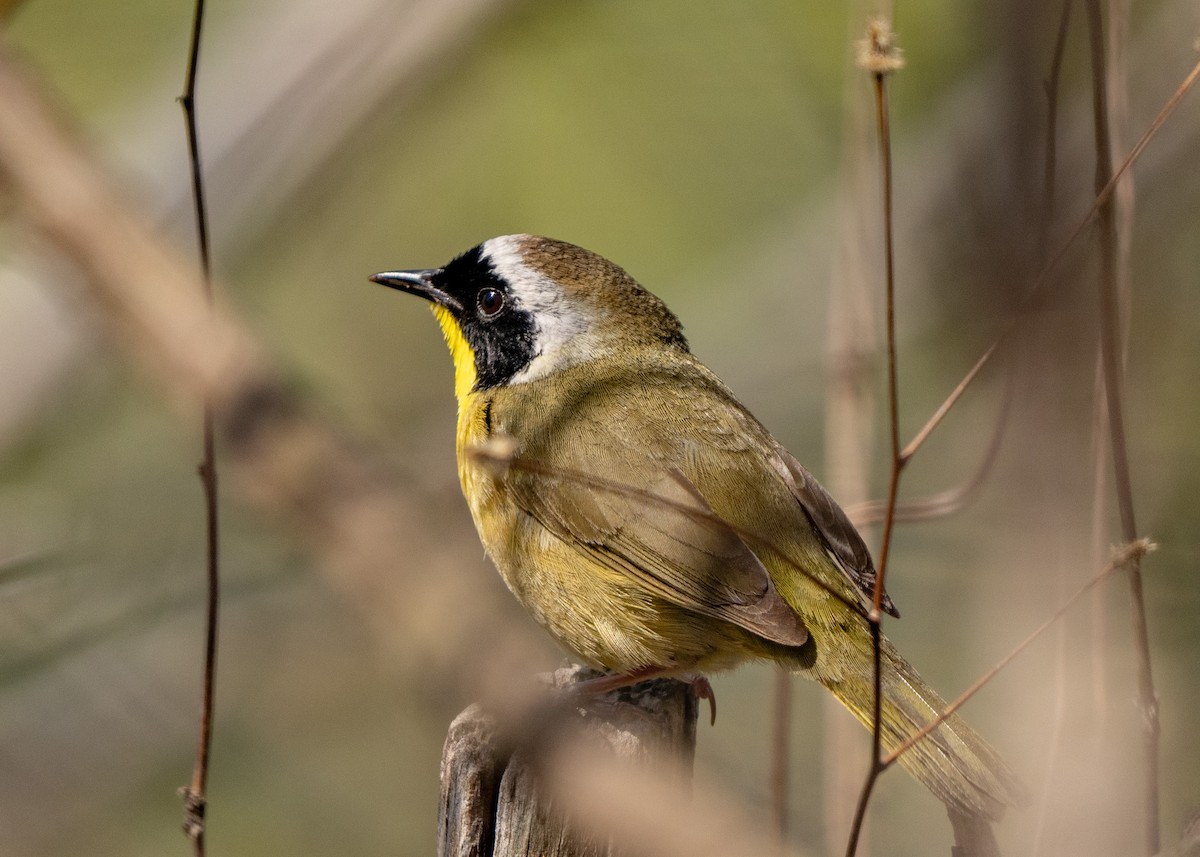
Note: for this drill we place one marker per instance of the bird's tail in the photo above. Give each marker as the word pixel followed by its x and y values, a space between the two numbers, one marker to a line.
pixel 953 761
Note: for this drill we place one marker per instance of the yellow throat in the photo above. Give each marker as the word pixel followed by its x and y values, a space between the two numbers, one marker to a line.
pixel 460 351
pixel 469 422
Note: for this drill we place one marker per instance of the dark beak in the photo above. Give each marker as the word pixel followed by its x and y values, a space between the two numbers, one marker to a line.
pixel 419 283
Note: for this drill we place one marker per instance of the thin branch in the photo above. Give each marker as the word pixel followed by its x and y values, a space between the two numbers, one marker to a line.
pixel 1101 499
pixel 880 56
pixel 1104 194
pixel 951 500
pixel 944 408
pixel 882 59
pixel 889 518
pixel 195 794
pixel 1111 354
pixel 1123 557
pixel 877 766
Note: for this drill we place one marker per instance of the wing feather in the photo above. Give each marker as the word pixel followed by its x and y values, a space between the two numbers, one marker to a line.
pixel 833 527
pixel 660 530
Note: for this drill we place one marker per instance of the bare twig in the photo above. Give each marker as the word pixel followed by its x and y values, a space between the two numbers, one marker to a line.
pixel 951 500
pixel 1101 507
pixel 877 767
pixel 195 794
pixel 1123 557
pixel 880 56
pixel 944 408
pixel 1112 356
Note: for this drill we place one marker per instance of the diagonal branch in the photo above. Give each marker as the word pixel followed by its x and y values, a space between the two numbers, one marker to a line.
pixel 1123 557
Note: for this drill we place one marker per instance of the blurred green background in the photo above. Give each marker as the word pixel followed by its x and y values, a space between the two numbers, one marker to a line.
pixel 721 154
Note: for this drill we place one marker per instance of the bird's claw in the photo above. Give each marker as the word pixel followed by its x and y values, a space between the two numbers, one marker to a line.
pixel 702 689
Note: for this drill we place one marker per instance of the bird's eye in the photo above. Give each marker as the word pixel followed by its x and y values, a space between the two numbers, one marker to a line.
pixel 491 301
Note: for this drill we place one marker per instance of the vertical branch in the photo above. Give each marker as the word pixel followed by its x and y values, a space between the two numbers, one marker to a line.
pixel 881 57
pixel 1112 362
pixel 1100 514
pixel 877 765
pixel 194 795
pixel 1117 104
pixel 889 520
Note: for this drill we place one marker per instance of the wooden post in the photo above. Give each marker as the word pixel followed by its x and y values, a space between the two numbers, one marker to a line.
pixel 492 804
pixel 973 836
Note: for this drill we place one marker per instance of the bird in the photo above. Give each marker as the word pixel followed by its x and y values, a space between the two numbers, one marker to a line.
pixel 646 519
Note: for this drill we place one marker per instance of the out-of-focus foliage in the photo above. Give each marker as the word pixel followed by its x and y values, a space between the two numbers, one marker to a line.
pixel 699 146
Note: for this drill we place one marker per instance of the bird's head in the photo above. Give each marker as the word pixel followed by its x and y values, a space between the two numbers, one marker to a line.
pixel 520 307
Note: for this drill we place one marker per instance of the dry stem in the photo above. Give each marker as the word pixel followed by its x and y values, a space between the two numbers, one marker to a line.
pixel 195 794
pixel 1111 354
pixel 1123 557
pixel 880 57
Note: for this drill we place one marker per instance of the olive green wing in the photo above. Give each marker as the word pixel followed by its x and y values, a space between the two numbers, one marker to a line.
pixel 835 530
pixel 646 519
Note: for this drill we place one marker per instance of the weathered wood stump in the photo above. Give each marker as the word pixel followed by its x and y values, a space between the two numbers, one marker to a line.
pixel 491 801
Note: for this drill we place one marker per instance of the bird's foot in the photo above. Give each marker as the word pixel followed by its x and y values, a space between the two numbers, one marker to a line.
pixel 615 681
pixel 700 686
pixel 703 689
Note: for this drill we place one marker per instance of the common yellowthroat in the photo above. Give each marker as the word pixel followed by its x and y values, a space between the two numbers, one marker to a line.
pixel 648 521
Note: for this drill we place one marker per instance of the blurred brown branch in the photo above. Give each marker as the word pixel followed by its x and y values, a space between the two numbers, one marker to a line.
pixel 852 343
pixel 361 58
pixel 1123 557
pixel 281 455
pixel 1113 358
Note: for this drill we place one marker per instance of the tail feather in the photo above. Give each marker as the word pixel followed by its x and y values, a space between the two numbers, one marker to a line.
pixel 953 761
